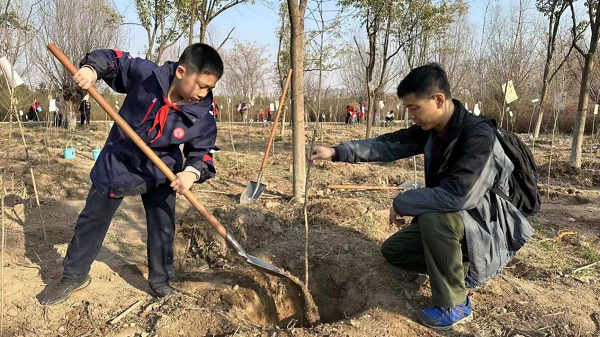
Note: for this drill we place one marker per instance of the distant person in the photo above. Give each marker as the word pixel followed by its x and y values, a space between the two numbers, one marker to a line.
pixel 85 108
pixel 242 108
pixel 389 117
pixel 270 114
pixel 349 113
pixel 34 109
pixel 215 109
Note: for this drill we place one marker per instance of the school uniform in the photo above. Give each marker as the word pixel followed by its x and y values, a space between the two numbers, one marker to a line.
pixel 122 169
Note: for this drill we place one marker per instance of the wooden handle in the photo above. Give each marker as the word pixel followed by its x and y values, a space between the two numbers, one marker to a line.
pixel 122 124
pixel 274 128
pixel 358 187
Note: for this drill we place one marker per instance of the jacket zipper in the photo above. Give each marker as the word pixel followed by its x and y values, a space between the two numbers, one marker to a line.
pixel 149 110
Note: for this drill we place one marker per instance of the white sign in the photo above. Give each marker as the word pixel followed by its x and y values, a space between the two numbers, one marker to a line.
pixel 381 105
pixel 52 105
pixel 510 113
pixel 11 75
pixel 476 110
pixel 560 100
pixel 535 100
pixel 272 106
pixel 276 104
pixel 596 109
pixel 511 94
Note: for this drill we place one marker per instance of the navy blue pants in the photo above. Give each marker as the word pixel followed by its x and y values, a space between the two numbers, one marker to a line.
pixel 93 223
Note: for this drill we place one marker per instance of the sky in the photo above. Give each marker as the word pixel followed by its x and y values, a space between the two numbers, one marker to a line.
pixel 257 23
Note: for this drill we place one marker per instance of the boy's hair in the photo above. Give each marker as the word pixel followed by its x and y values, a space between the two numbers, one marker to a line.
pixel 202 58
pixel 424 81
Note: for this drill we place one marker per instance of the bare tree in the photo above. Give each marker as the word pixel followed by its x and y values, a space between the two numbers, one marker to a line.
pixel 248 70
pixel 593 9
pixel 553 9
pixel 76 28
pixel 297 9
pixel 165 22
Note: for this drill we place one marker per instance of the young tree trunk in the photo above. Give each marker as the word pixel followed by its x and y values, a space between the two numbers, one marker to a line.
pixel 192 19
pixel 582 107
pixel 296 11
pixel 538 123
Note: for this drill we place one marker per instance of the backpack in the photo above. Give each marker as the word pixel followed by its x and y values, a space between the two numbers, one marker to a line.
pixel 524 193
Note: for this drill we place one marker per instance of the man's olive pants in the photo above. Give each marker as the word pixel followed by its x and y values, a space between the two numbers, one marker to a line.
pixel 434 243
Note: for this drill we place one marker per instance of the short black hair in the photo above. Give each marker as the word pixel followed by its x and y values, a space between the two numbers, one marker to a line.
pixel 202 58
pixel 424 81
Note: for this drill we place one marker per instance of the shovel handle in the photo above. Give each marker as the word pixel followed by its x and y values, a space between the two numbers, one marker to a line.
pixel 122 124
pixel 358 187
pixel 274 128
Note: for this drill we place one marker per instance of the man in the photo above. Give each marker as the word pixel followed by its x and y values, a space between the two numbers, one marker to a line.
pixel 85 108
pixel 462 233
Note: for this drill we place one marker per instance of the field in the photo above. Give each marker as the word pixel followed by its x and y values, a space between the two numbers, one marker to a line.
pixel 357 292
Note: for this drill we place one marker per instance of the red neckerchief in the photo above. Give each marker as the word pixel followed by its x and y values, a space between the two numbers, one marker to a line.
pixel 161 118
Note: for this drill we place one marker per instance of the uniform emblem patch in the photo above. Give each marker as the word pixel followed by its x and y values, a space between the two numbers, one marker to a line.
pixel 179 133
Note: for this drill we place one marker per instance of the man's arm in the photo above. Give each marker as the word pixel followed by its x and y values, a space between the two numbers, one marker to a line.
pixel 385 148
pixel 468 180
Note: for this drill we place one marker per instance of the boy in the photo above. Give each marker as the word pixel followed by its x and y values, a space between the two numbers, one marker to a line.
pixel 461 232
pixel 167 106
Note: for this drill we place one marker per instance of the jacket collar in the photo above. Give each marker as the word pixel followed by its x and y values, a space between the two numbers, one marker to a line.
pixel 165 75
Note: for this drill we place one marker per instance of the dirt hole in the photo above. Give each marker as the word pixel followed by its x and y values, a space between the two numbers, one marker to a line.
pixel 261 299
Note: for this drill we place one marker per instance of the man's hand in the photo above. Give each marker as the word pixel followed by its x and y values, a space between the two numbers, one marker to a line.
pixel 85 78
pixel 184 181
pixel 321 153
pixel 394 218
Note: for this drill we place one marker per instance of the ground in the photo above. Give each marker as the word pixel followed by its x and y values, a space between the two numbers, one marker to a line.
pixel 357 292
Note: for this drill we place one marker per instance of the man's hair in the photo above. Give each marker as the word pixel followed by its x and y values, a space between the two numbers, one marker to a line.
pixel 202 58
pixel 424 81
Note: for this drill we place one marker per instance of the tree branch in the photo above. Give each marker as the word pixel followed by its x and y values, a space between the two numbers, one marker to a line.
pixel 227 38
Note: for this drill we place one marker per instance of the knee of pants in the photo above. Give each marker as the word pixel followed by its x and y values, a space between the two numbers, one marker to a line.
pixel 392 252
pixel 435 222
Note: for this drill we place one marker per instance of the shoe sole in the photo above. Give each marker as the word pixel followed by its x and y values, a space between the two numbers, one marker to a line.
pixel 450 327
pixel 83 285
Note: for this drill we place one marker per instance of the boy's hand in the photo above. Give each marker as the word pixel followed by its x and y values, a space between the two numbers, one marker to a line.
pixel 322 153
pixel 85 78
pixel 394 218
pixel 184 181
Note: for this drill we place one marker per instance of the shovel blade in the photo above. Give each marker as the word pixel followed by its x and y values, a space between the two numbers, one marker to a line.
pixel 252 193
pixel 254 261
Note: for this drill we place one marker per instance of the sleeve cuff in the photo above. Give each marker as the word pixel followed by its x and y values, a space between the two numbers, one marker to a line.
pixel 336 156
pixel 194 171
pixel 94 70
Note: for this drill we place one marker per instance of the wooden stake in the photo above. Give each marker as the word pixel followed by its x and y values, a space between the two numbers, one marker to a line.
pixel 126 312
pixel 551 151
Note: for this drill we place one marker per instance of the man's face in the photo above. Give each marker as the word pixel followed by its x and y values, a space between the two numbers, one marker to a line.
pixel 425 112
pixel 194 86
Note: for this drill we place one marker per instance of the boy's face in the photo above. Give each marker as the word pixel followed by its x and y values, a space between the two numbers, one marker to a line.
pixel 425 112
pixel 193 86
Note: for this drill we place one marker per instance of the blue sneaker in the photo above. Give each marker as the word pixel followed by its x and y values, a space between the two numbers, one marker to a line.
pixel 446 318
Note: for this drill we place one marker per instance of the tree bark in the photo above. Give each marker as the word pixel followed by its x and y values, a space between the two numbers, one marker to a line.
pixel 582 107
pixel 192 19
pixel 296 11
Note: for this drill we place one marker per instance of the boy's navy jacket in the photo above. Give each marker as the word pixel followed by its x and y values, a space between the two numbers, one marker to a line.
pixel 122 168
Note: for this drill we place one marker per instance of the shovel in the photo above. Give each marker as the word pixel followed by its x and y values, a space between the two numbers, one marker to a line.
pixel 409 185
pixel 255 188
pixel 122 124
